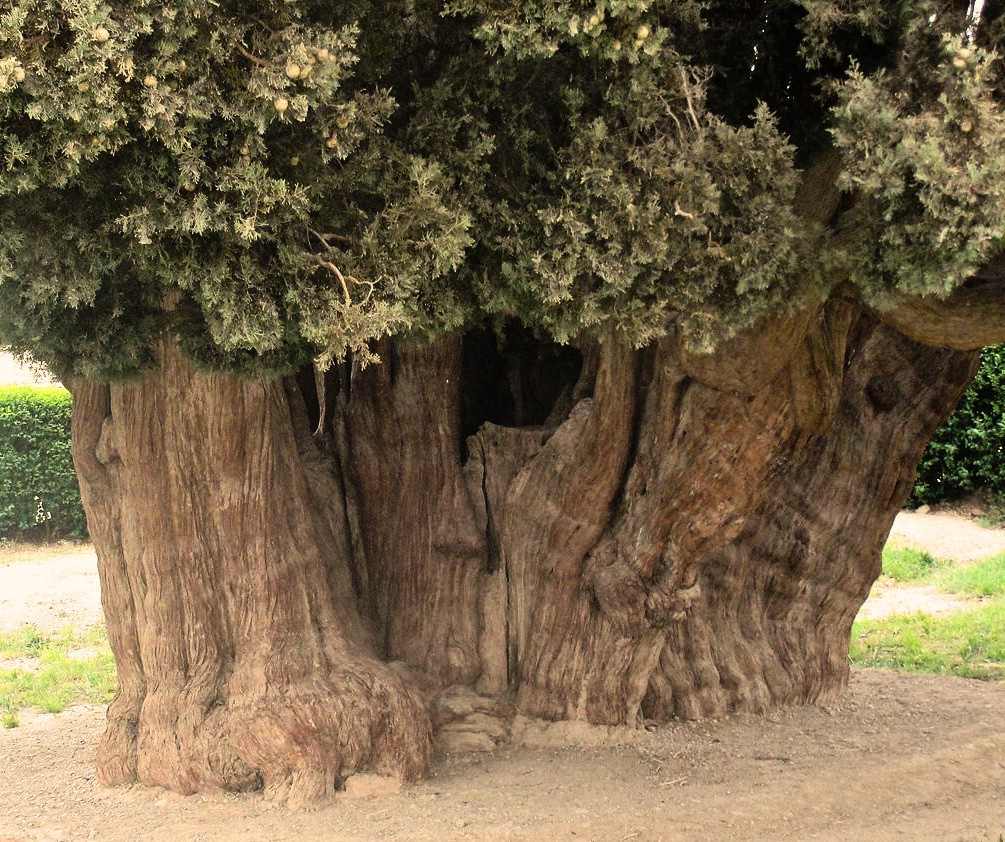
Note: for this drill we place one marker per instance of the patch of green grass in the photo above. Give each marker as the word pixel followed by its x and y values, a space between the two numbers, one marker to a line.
pixel 906 564
pixel 969 644
pixel 982 578
pixel 58 670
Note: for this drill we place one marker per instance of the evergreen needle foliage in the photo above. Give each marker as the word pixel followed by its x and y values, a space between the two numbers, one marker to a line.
pixel 275 182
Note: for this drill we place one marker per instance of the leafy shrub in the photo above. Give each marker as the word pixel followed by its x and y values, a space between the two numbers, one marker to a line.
pixel 39 495
pixel 967 454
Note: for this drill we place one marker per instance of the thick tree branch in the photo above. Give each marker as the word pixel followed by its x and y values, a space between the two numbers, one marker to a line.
pixel 972 317
pixel 818 199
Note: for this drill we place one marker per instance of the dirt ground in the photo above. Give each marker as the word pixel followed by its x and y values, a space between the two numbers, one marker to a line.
pixel 897 757
pixel 49 587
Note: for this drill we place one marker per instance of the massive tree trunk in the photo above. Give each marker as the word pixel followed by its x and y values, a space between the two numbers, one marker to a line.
pixel 223 554
pixel 302 583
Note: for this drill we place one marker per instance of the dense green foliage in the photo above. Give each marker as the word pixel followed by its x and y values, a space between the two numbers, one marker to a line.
pixel 39 496
pixel 967 454
pixel 279 181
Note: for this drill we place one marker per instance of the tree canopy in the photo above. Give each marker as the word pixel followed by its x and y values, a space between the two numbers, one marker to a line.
pixel 277 182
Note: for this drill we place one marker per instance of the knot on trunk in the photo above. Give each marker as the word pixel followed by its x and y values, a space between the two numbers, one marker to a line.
pixel 106 450
pixel 883 392
pixel 619 592
pixel 670 604
pixel 632 604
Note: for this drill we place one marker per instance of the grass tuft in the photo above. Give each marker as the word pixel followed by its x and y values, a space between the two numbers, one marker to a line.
pixel 969 644
pixel 982 578
pixel 906 564
pixel 50 672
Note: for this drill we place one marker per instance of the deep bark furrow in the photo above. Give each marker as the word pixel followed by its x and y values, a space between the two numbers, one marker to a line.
pixel 502 453
pixel 643 572
pixel 424 548
pixel 556 509
pixel 237 613
pixel 117 750
pixel 816 372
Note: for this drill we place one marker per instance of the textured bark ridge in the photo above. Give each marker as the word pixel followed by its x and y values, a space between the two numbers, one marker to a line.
pixel 243 661
pixel 304 581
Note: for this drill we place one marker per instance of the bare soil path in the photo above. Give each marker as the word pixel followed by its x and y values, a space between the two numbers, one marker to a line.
pixel 897 757
pixel 947 534
pixel 49 587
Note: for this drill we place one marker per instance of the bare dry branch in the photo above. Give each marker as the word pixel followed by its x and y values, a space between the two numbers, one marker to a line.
pixel 251 56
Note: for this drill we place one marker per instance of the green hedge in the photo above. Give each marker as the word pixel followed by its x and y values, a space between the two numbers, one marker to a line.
pixel 967 454
pixel 39 495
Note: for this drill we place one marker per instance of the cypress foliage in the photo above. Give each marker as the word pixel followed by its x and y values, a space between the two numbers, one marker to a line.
pixel 276 182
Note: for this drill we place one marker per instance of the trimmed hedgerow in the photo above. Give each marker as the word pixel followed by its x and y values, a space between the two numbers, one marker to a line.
pixel 39 495
pixel 967 454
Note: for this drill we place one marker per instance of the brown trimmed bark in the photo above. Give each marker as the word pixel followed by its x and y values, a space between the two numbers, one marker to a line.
pixel 771 622
pixel 420 546
pixel 658 535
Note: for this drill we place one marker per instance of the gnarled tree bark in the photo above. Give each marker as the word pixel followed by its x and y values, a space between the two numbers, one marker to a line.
pixel 243 660
pixel 605 534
